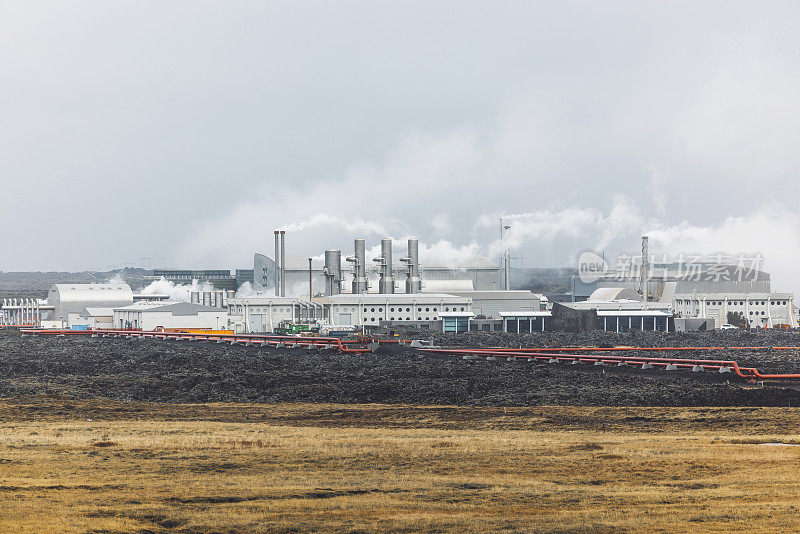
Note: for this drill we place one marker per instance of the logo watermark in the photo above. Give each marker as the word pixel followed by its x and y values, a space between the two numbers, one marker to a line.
pixel 718 267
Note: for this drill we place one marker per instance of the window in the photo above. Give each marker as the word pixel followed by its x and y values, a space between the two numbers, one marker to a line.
pixel 408 309
pixel 373 319
pixel 427 309
pixel 419 309
pixel 462 309
pixel 434 309
pixel 373 309
pixel 391 309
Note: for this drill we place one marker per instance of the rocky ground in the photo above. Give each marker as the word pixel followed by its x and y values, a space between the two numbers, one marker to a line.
pixel 195 372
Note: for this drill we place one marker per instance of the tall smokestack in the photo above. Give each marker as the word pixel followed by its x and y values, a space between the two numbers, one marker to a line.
pixel 359 267
pixel 283 263
pixel 277 265
pixel 386 283
pixel 413 281
pixel 645 270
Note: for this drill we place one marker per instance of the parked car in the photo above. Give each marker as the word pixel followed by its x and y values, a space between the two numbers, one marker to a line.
pixel 727 326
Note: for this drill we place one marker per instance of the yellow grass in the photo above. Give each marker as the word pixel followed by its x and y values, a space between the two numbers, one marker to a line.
pixel 232 468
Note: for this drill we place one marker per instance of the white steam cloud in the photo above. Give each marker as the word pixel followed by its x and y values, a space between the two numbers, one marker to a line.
pixel 176 292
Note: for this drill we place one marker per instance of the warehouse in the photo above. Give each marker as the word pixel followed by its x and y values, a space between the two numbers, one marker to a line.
pixel 159 315
pixel 759 310
pixel 69 299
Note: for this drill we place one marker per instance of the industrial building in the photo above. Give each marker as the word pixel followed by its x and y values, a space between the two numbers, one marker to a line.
pixel 479 274
pixel 219 278
pixel 610 320
pixel 67 304
pixel 69 299
pixel 760 310
pixel 176 315
pixel 394 293
pixel 691 290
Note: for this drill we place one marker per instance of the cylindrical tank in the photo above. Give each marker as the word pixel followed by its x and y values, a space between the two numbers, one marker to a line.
pixel 386 282
pixel 206 298
pixel 333 272
pixel 360 267
pixel 413 282
pixel 195 297
pixel 219 298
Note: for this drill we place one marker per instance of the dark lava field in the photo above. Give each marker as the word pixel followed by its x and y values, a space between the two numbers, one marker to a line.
pixel 198 372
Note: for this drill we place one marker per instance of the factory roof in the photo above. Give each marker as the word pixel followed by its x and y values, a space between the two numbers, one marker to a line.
pixel 109 292
pixel 600 313
pixel 97 312
pixel 404 297
pixel 176 308
pixel 607 294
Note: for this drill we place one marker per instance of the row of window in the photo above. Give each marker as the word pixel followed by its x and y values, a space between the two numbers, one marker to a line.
pixel 409 309
pixel 372 319
pixel 736 303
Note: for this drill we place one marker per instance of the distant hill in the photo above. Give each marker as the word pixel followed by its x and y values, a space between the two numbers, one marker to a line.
pixel 543 279
pixel 17 284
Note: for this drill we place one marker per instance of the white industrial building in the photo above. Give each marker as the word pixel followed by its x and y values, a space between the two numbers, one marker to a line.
pixel 157 315
pixel 760 310
pixel 265 314
pixel 67 299
pixel 373 309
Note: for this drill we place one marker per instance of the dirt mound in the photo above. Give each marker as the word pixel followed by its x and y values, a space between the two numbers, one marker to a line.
pixel 184 371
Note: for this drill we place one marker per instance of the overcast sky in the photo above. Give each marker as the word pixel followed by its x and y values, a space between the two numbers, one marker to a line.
pixel 186 132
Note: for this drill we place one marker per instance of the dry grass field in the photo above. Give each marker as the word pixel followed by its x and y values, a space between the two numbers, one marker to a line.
pixel 94 466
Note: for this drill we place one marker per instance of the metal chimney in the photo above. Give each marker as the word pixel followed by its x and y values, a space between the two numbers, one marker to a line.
pixel 386 283
pixel 283 263
pixel 219 298
pixel 359 267
pixel 645 270
pixel 277 265
pixel 206 298
pixel 413 280
pixel 333 272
